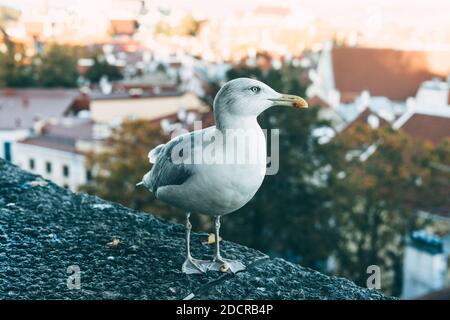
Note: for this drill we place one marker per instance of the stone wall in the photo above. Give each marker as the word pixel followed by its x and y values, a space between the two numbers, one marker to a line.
pixel 124 254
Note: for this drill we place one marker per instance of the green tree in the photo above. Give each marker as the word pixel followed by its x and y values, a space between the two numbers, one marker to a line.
pixel 289 215
pixel 123 163
pixel 376 200
pixel 58 67
pixel 187 26
pixel 15 71
pixel 102 68
pixel 322 203
pixel 439 176
pixel 7 14
pixel 163 28
pixel 361 212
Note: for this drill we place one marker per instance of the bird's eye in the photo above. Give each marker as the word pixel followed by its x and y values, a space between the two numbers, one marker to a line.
pixel 255 89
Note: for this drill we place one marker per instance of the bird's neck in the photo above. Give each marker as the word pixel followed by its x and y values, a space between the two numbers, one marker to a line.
pixel 240 127
pixel 245 134
pixel 230 121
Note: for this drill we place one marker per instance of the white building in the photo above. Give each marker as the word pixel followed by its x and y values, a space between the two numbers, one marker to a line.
pixel 351 79
pixel 23 110
pixel 343 73
pixel 7 137
pixel 427 116
pixel 115 108
pixel 425 264
pixel 433 95
pixel 58 152
pixel 66 169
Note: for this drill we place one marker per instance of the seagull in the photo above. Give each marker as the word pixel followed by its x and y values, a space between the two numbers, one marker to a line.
pixel 219 184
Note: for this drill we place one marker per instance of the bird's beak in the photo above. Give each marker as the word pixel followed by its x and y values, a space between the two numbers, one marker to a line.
pixel 139 184
pixel 290 100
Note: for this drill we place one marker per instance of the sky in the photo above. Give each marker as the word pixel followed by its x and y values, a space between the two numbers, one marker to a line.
pixel 424 13
pixel 326 6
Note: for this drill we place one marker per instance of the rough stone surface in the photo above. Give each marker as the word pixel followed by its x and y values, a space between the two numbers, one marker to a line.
pixel 44 229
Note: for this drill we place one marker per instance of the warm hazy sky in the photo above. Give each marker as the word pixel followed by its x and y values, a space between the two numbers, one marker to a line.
pixel 426 13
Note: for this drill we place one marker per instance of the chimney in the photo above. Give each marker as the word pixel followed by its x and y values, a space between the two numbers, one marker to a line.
pixel 363 101
pixel 38 125
pixel 25 102
pixel 411 104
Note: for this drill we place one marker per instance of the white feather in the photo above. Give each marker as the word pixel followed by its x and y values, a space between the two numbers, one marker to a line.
pixel 154 153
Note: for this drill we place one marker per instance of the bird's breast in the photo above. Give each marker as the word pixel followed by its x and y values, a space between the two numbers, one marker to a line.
pixel 235 181
pixel 230 187
pixel 227 176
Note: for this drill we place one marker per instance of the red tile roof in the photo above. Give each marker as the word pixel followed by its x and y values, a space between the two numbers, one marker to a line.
pixel 124 27
pixel 386 72
pixel 363 118
pixel 316 101
pixel 427 127
pixel 272 10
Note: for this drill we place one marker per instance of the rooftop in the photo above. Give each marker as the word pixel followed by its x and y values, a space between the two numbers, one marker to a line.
pixel 63 134
pixel 21 108
pixel 52 142
pixel 426 125
pixel 142 93
pixel 45 229
pixel 394 74
pixel 369 117
pixel 123 27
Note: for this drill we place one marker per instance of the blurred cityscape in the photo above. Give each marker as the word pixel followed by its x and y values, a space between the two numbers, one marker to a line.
pixel 87 88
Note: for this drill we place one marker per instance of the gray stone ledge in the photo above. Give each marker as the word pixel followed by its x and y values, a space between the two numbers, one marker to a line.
pixel 44 229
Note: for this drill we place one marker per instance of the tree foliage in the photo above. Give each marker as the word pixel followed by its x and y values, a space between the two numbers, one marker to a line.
pixel 14 69
pixel 376 200
pixel 187 26
pixel 325 204
pixel 56 67
pixel 8 14
pixel 101 68
pixel 123 163
pixel 289 216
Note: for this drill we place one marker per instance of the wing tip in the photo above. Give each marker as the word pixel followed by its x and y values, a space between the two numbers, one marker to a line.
pixel 154 153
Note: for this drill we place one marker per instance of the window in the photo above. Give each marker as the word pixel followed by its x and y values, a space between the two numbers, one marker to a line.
pixel 48 167
pixel 88 175
pixel 65 170
pixel 7 150
pixel 31 164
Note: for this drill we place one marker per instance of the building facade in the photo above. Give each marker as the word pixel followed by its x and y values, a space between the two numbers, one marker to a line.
pixel 65 168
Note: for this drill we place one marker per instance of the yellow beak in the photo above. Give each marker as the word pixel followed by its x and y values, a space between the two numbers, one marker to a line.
pixel 291 101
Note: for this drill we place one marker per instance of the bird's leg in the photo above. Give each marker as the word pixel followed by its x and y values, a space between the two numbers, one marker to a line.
pixel 220 263
pixel 191 265
pixel 217 255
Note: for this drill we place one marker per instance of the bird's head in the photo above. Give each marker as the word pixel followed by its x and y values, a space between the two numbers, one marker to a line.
pixel 249 97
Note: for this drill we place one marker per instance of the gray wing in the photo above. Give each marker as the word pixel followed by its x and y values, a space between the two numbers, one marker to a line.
pixel 164 171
